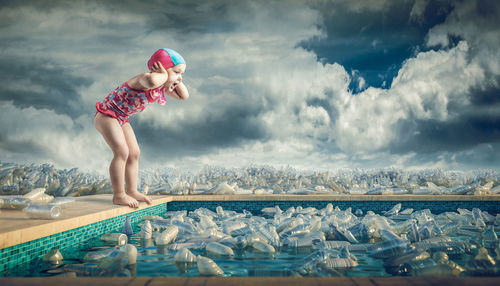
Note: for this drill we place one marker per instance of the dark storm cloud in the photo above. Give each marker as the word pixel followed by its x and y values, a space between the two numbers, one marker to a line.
pixel 374 42
pixel 236 124
pixel 55 86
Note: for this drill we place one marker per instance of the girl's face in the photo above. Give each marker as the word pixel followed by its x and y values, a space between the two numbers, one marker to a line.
pixel 174 76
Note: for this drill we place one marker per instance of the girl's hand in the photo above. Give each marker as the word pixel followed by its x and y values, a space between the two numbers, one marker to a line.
pixel 157 67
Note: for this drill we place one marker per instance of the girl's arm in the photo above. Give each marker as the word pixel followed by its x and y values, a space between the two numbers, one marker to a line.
pixel 180 92
pixel 152 79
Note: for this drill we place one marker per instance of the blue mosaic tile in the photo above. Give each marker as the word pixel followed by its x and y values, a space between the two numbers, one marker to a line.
pixel 436 207
pixel 18 255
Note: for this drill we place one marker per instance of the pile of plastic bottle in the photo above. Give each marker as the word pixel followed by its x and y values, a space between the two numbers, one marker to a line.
pixel 334 242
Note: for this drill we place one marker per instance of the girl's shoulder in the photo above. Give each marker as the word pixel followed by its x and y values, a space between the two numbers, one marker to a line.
pixel 135 82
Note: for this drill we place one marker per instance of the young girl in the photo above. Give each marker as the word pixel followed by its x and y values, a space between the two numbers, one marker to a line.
pixel 111 119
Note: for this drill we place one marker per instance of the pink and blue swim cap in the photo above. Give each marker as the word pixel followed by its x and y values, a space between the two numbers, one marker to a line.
pixel 167 57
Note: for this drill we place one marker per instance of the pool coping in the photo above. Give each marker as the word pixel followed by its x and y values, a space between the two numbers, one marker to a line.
pixel 12 231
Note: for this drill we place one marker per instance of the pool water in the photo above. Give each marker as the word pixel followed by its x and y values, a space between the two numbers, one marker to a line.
pixel 155 260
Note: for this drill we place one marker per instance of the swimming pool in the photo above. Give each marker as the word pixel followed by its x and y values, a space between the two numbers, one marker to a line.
pixel 158 261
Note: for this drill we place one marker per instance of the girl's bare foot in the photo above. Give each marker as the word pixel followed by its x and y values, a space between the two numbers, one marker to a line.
pixel 140 197
pixel 125 200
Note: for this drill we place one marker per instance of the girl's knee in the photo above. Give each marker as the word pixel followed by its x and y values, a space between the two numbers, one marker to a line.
pixel 121 152
pixel 134 154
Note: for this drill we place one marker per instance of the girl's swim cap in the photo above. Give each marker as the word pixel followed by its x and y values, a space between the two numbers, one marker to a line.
pixel 167 57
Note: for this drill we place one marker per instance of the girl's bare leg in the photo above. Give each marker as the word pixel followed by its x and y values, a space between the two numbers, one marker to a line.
pixel 112 132
pixel 132 166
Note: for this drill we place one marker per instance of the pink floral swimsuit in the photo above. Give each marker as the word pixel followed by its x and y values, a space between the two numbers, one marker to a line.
pixel 125 101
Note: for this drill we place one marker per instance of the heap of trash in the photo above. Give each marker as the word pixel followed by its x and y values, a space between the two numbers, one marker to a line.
pixel 21 179
pixel 398 241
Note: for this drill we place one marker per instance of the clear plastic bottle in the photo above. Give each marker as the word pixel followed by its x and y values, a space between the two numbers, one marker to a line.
pixel 63 201
pixel 43 211
pixel 207 266
pixel 114 262
pixel 115 238
pixel 54 256
pixel 218 248
pixel 127 227
pixel 184 255
pixel 17 203
pixel 167 236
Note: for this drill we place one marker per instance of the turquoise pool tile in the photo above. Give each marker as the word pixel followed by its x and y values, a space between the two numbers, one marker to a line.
pixel 25 253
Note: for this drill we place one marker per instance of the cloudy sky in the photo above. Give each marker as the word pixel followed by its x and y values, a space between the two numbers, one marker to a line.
pixel 308 84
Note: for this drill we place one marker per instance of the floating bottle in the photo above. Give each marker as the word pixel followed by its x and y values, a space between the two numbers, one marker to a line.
pixel 263 247
pixel 184 255
pixel 53 256
pixel 127 227
pixel 483 259
pixel 442 258
pixel 395 209
pixel 114 262
pixel 336 263
pixel 389 248
pixel 241 242
pixel 115 238
pixel 96 256
pixel 131 252
pixel 412 267
pixel 167 236
pixel 146 230
pixel 207 266
pixel 219 249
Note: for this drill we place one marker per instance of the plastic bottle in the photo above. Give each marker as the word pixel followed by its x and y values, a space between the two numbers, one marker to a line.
pixel 63 201
pixel 167 236
pixel 96 256
pixel 114 262
pixel 34 194
pixel 17 203
pixel 115 238
pixel 412 267
pixel 146 230
pixel 490 237
pixel 389 248
pixel 331 244
pixel 241 242
pixel 43 211
pixel 335 263
pixel 127 227
pixel 263 247
pixel 184 255
pixel 53 256
pixel 207 266
pixel 219 249
pixel 131 252
pixel 395 209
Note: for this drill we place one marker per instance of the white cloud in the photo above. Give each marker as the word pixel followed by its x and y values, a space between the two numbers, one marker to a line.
pixel 255 63
pixel 50 137
pixel 423 89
